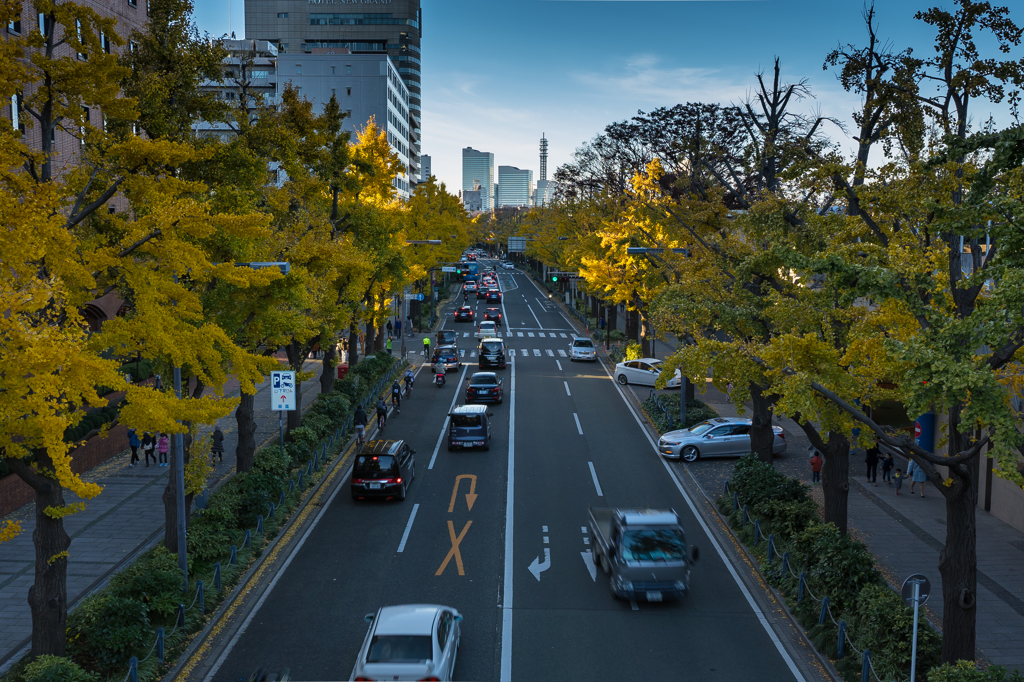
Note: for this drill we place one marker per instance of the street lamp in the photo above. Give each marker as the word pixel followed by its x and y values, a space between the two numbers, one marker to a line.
pixel 643 250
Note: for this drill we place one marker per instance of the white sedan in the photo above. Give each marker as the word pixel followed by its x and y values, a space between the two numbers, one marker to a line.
pixel 410 642
pixel 487 329
pixel 508 265
pixel 644 372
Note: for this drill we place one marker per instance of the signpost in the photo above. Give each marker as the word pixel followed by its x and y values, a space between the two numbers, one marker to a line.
pixel 448 268
pixel 517 244
pixel 915 592
pixel 282 396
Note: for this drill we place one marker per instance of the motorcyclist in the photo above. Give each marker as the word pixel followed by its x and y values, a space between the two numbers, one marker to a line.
pixel 440 371
pixel 359 418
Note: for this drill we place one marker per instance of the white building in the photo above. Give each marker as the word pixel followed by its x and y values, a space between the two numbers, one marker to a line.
pixel 425 169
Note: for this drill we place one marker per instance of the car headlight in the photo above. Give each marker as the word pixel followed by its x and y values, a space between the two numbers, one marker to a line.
pixel 669 442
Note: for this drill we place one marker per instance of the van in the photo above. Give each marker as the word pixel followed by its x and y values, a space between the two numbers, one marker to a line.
pixel 492 353
pixel 469 426
pixel 383 468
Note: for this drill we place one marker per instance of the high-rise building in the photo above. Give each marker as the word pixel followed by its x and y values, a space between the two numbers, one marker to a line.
pixel 545 191
pixel 477 172
pixel 393 27
pixel 425 170
pixel 515 186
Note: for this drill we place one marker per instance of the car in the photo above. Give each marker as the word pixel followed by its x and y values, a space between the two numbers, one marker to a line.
pixel 481 292
pixel 508 265
pixel 383 468
pixel 410 642
pixel 469 286
pixel 464 314
pixel 449 355
pixel 485 387
pixel 644 372
pixel 493 314
pixel 469 426
pixel 446 337
pixel 582 348
pixel 492 353
pixel 718 437
pixel 485 329
pixel 493 296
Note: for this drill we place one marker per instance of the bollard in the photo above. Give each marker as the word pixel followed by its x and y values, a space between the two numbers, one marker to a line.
pixel 271 511
pixel 842 639
pixel 323 451
pixel 757 531
pixel 803 583
pixel 824 610
pixel 233 559
pixel 771 547
pixel 248 539
pixel 746 515
pixel 300 478
pixel 785 563
pixel 133 669
pixel 727 487
pixel 735 500
pixel 180 622
pixel 259 524
pixel 160 644
pixel 291 484
pixel 865 668
pixel 280 500
pixel 216 576
pixel 309 469
pixel 200 596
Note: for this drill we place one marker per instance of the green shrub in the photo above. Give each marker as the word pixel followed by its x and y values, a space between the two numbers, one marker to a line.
pixel 154 581
pixel 56 669
pixel 209 534
pixel 967 671
pixel 836 565
pixel 634 351
pixel 668 418
pixel 758 482
pixel 105 630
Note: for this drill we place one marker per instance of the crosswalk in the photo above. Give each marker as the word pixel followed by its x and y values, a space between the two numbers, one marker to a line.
pixel 522 353
pixel 541 335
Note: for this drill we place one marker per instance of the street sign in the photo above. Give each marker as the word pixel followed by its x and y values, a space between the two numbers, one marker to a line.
pixel 923 590
pixel 516 244
pixel 282 391
pixel 447 268
pixel 417 297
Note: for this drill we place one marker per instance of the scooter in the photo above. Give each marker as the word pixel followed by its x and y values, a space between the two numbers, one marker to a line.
pixel 439 380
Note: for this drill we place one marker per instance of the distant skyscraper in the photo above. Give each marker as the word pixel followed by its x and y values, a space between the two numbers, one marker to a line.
pixel 543 158
pixel 478 171
pixel 425 170
pixel 515 186
pixel 545 188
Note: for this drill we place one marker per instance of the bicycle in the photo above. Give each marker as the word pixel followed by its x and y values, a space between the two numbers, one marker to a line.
pixel 381 420
pixel 396 403
pixel 361 434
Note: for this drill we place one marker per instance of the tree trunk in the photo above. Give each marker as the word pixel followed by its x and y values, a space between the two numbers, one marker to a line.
pixel 170 499
pixel 632 326
pixel 370 340
pixel 835 480
pixel 353 345
pixel 595 308
pixel 645 334
pixel 762 436
pixel 328 372
pixel 245 418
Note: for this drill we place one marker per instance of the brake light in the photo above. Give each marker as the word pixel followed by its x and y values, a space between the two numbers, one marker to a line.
pixel 397 480
pixel 357 481
pixel 782 435
pixel 364 679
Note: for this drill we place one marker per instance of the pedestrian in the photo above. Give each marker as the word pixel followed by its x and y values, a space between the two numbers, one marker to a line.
pixel 133 443
pixel 398 328
pixel 163 445
pixel 388 344
pixel 897 481
pixel 816 463
pixel 149 446
pixel 887 465
pixel 917 475
pixel 871 459
pixel 390 329
pixel 217 449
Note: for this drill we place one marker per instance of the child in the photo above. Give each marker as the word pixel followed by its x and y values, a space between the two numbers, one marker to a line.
pixel 897 481
pixel 162 446
pixel 887 465
pixel 816 463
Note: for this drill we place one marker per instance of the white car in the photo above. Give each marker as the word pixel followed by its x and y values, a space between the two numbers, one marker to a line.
pixel 644 372
pixel 410 642
pixel 508 265
pixel 486 329
pixel 582 348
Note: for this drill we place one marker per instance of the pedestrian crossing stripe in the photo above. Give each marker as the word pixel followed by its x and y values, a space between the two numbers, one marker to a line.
pixel 551 353
pixel 526 353
pixel 562 353
pixel 563 336
pixel 540 334
pixel 530 334
pixel 462 352
pixel 511 352
pixel 520 334
pixel 465 335
pixel 536 351
pixel 473 354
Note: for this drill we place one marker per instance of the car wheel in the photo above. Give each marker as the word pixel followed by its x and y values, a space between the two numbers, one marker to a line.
pixel 401 494
pixel 622 379
pixel 689 454
pixel 611 584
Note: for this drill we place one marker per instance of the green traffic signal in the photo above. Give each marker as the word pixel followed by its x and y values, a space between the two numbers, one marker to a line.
pixel 554 278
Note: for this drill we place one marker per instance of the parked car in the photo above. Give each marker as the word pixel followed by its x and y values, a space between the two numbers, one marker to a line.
pixel 383 468
pixel 464 314
pixel 493 314
pixel 719 437
pixel 492 353
pixel 486 328
pixel 469 426
pixel 449 355
pixel 582 348
pixel 644 372
pixel 446 337
pixel 485 387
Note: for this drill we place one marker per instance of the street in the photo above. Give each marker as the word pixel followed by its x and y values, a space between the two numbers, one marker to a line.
pixel 501 535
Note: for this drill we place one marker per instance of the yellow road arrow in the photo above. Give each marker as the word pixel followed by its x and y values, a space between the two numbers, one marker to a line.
pixel 470 496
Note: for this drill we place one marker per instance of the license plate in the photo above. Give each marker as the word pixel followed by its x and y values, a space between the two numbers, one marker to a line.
pixel 654 596
pixel 374 486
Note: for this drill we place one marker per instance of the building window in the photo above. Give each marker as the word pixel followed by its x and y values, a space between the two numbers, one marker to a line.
pixel 348 91
pixel 332 70
pixel 105 42
pixel 42 24
pixel 333 93
pixel 298 69
pixel 85 121
pixel 78 30
pixel 133 3
pixel 16 111
pixel 348 69
pixel 282 15
pixel 14 26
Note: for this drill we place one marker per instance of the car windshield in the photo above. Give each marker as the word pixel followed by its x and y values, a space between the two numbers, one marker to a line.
pixel 465 310
pixel 369 466
pixel 701 429
pixel 582 343
pixel 492 347
pixel 478 380
pixel 653 545
pixel 404 648
pixel 464 420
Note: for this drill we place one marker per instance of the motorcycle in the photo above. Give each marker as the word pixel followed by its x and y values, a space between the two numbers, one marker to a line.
pixel 439 380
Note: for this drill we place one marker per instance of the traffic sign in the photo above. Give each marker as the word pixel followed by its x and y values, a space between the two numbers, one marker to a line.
pixel 448 268
pixel 516 244
pixel 282 391
pixel 917 429
pixel 923 590
pixel 417 297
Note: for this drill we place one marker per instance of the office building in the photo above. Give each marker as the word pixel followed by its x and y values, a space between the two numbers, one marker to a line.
pixel 515 186
pixel 472 200
pixel 425 170
pixel 478 172
pixel 391 27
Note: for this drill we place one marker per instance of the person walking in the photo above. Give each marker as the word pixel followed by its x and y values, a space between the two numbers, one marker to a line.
pixel 390 329
pixel 816 463
pixel 398 328
pixel 887 465
pixel 133 443
pixel 871 459
pixel 359 419
pixel 917 475
pixel 388 345
pixel 149 446
pixel 897 481
pixel 217 449
pixel 163 445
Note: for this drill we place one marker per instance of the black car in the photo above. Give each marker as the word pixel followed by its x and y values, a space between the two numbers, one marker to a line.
pixel 493 314
pixel 481 292
pixel 446 337
pixel 492 353
pixel 493 296
pixel 485 387
pixel 469 427
pixel 464 314
pixel 383 468
pixel 449 355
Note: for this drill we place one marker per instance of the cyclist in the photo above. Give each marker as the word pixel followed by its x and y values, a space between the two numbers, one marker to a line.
pixel 360 421
pixel 396 396
pixel 408 378
pixel 426 346
pixel 382 413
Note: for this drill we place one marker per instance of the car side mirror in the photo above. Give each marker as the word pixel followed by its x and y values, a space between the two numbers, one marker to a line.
pixel 694 554
pixel 368 618
pixel 490 414
pixel 458 618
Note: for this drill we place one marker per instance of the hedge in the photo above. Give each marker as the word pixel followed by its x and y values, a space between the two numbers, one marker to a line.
pixel 662 409
pixel 121 620
pixel 835 566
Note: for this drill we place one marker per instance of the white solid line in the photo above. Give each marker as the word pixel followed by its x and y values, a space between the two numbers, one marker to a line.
pixel 534 315
pixel 408 527
pixel 566 385
pixel 506 601
pixel 284 567
pixel 593 475
pixel 559 364
pixel 444 429
pixel 707 531
pixel 578 427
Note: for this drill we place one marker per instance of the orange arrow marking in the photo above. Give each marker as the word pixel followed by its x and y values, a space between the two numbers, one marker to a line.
pixel 470 496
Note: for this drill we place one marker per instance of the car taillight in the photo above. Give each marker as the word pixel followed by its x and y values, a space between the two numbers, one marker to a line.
pixel 357 481
pixel 364 679
pixel 782 435
pixel 431 679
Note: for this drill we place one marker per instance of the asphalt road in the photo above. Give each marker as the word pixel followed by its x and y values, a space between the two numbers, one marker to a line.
pixel 573 443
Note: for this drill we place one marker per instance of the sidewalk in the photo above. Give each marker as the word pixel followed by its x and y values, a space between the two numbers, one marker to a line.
pixel 124 520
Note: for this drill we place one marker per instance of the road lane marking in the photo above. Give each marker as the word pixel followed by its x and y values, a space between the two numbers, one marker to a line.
pixel 588 560
pixel 593 475
pixel 578 427
pixel 444 428
pixel 567 392
pixel 550 352
pixel 506 598
pixel 408 527
pixel 520 334
pixel 465 335
pixel 559 364
pixel 537 566
pixel 454 551
pixel 540 334
pixel 526 353
pixel 563 336
pixel 534 316
pixel 470 496
pixel 562 353
pixel 530 334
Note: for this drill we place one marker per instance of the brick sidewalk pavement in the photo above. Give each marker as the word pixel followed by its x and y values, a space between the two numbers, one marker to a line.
pixel 123 521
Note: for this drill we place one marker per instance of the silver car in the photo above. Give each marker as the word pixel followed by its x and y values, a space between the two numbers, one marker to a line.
pixel 582 348
pixel 410 642
pixel 719 437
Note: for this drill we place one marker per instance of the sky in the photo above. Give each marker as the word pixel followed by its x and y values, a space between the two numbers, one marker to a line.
pixel 498 74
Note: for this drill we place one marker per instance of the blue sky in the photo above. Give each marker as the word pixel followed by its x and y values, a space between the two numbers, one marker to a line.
pixel 496 74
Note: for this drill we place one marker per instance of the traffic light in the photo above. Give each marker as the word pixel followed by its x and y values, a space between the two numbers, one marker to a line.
pixel 554 278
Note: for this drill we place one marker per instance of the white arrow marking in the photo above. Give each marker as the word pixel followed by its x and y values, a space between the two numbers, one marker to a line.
pixel 538 567
pixel 588 559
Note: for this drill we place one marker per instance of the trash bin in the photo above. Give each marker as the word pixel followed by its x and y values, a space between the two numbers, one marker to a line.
pixel 342 371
